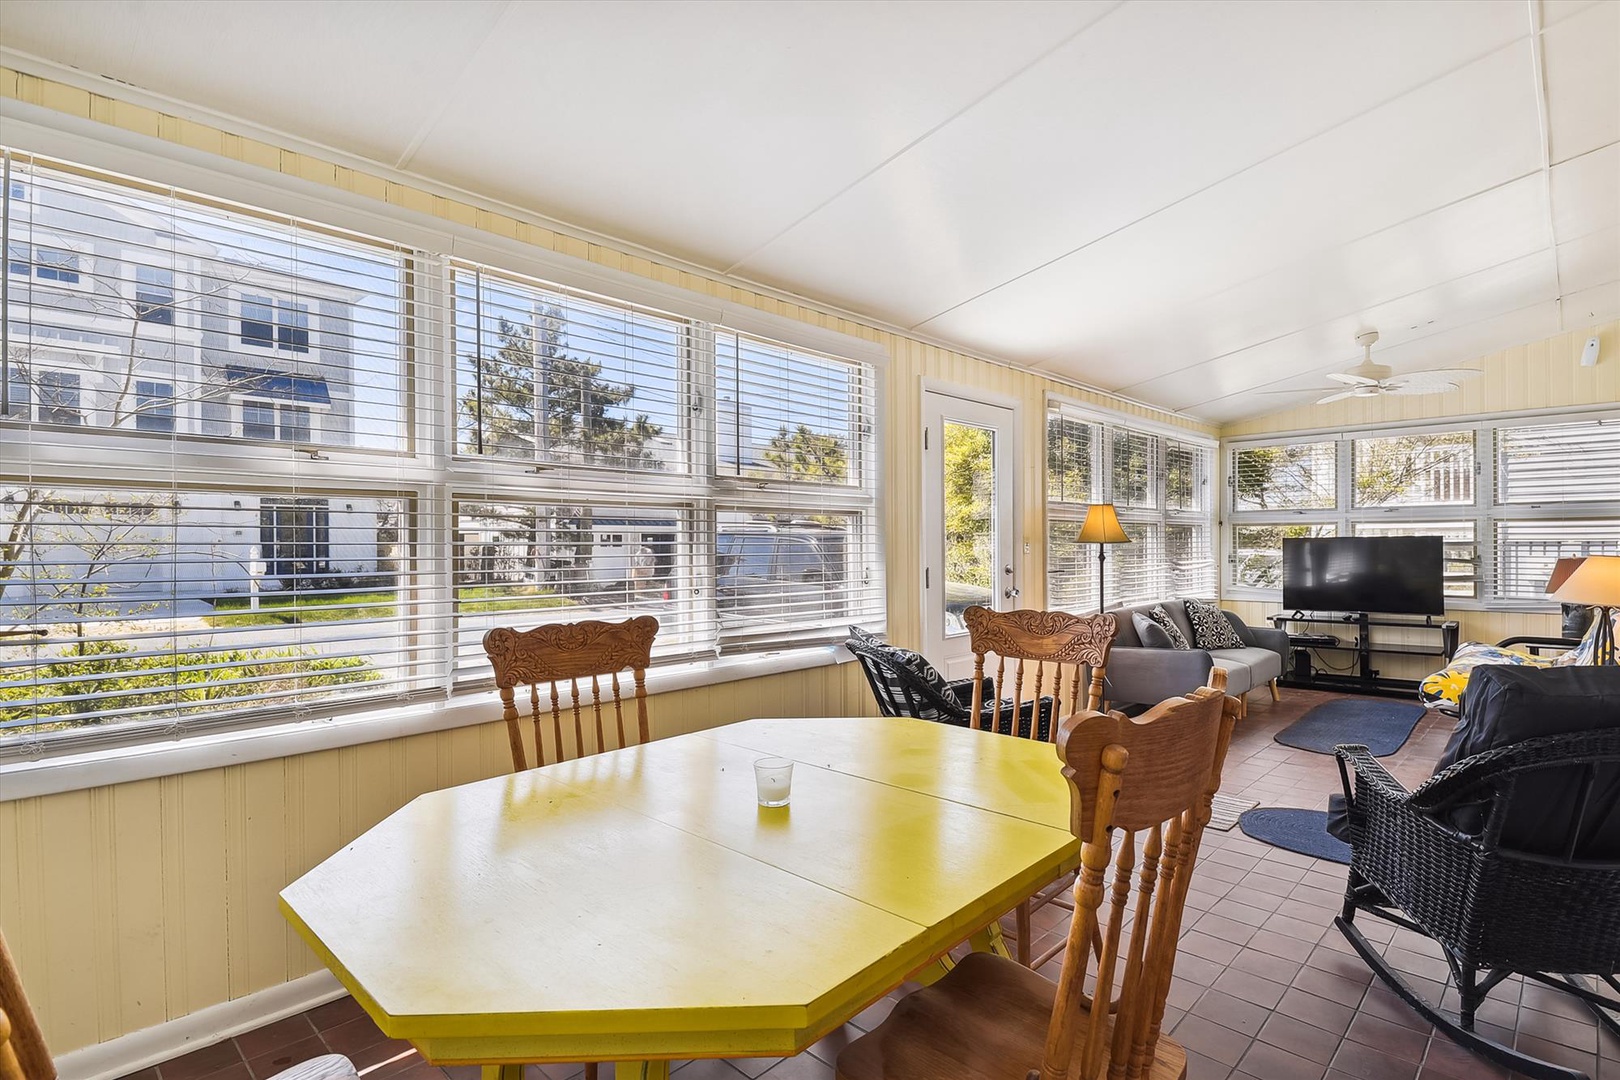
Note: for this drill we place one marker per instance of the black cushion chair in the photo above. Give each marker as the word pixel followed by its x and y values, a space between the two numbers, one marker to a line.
pixel 1509 856
pixel 906 684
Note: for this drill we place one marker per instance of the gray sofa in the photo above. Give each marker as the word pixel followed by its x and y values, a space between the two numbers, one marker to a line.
pixel 1145 676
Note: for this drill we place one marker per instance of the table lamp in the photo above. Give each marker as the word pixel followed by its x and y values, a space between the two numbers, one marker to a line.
pixel 1596 581
pixel 1101 527
pixel 1576 616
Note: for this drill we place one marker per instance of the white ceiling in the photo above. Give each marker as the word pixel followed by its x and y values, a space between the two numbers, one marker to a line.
pixel 1186 202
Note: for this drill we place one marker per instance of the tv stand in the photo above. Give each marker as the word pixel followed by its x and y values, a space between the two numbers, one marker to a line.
pixel 1366 678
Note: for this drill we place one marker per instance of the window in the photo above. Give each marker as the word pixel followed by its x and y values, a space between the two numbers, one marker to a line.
pixel 1160 486
pixel 258 322
pixel 53 265
pixel 60 398
pixel 1414 470
pixel 1526 551
pixel 1556 493
pixel 1460 568
pixel 292 326
pixel 17 260
pixel 295 540
pixel 154 406
pixel 1558 463
pixel 298 546
pixel 286 423
pixel 154 295
pixel 1257 551
pixel 1287 476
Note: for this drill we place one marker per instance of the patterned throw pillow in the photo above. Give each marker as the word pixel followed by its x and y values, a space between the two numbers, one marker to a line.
pixel 913 662
pixel 1211 630
pixel 1178 640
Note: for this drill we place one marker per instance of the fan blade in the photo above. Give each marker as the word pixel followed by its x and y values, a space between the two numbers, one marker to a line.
pixel 1352 380
pixel 1412 388
pixel 1341 395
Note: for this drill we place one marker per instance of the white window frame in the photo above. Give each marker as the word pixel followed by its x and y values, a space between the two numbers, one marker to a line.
pixel 426 475
pixel 1159 516
pixel 1484 511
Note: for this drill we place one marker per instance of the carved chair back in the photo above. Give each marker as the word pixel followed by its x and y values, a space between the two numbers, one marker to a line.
pixel 1152 777
pixel 23 1055
pixel 561 653
pixel 1079 643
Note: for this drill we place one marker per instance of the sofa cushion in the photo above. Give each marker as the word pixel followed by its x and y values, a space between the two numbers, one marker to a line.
pixel 1152 635
pixel 1161 618
pixel 1259 665
pixel 1211 630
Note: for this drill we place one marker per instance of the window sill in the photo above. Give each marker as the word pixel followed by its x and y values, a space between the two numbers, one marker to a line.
pixel 171 757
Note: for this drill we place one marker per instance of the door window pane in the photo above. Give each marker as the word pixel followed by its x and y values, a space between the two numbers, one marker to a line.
pixel 970 519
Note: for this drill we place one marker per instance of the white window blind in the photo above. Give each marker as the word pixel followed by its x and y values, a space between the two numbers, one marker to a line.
pixel 1287 476
pixel 235 493
pixel 1414 470
pixel 1161 487
pixel 1558 463
pixel 1256 554
pixel 1526 551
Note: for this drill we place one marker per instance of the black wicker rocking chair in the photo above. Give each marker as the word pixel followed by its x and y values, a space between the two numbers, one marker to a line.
pixel 1450 861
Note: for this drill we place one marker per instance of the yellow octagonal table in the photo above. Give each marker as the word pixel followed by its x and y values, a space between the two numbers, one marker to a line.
pixel 640 906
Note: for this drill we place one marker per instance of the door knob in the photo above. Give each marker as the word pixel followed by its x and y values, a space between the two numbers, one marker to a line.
pixel 1011 594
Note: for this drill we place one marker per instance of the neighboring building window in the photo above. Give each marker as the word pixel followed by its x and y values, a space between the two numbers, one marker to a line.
pixel 51 264
pixel 154 295
pixel 258 322
pixel 60 399
pixel 19 395
pixel 154 406
pixel 1161 487
pixel 295 540
pixel 270 421
pixel 17 260
pixel 292 326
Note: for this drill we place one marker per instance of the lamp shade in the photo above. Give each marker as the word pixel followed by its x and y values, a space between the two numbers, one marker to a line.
pixel 1561 571
pixel 1595 581
pixel 1102 526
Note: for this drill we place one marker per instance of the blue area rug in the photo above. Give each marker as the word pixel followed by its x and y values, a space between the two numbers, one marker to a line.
pixel 1381 726
pixel 1302 831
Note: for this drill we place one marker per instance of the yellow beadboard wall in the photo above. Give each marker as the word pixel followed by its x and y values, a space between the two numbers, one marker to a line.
pixel 1542 375
pixel 134 904
pixel 1545 374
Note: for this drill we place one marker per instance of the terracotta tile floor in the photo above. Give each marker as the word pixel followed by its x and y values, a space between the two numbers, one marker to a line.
pixel 1265 988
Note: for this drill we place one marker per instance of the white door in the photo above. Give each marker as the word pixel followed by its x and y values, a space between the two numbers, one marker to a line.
pixel 968 527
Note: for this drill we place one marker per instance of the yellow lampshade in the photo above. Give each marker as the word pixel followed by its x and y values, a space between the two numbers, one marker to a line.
pixel 1595 581
pixel 1561 571
pixel 1102 526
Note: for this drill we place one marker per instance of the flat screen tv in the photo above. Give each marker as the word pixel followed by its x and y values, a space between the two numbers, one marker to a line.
pixel 1398 575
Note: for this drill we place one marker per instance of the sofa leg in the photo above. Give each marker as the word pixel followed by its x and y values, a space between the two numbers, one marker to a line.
pixel 1276 694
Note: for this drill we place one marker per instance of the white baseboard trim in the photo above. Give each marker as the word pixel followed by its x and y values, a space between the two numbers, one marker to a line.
pixel 216 1023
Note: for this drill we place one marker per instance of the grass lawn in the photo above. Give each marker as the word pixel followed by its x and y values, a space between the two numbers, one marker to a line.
pixel 476 599
pixel 302 608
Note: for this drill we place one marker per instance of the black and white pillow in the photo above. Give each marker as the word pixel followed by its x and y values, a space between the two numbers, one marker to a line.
pixel 913 662
pixel 1210 626
pixel 1178 640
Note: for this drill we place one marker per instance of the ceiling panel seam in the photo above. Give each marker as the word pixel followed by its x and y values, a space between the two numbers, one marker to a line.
pixel 450 86
pixel 906 149
pixel 1222 180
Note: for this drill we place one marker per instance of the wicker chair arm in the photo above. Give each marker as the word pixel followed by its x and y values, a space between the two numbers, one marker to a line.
pixel 1357 759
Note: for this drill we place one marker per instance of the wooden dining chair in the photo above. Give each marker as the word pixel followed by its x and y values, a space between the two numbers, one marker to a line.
pixel 556 653
pixel 1150 779
pixel 1046 639
pixel 23 1055
pixel 560 653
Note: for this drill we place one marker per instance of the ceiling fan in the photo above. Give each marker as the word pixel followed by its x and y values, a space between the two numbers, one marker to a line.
pixel 1368 379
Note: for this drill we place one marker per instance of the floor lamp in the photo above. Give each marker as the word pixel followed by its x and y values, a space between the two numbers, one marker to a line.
pixel 1101 528
pixel 1596 581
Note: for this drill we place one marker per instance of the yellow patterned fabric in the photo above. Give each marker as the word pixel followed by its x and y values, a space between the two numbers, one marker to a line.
pixel 1444 689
